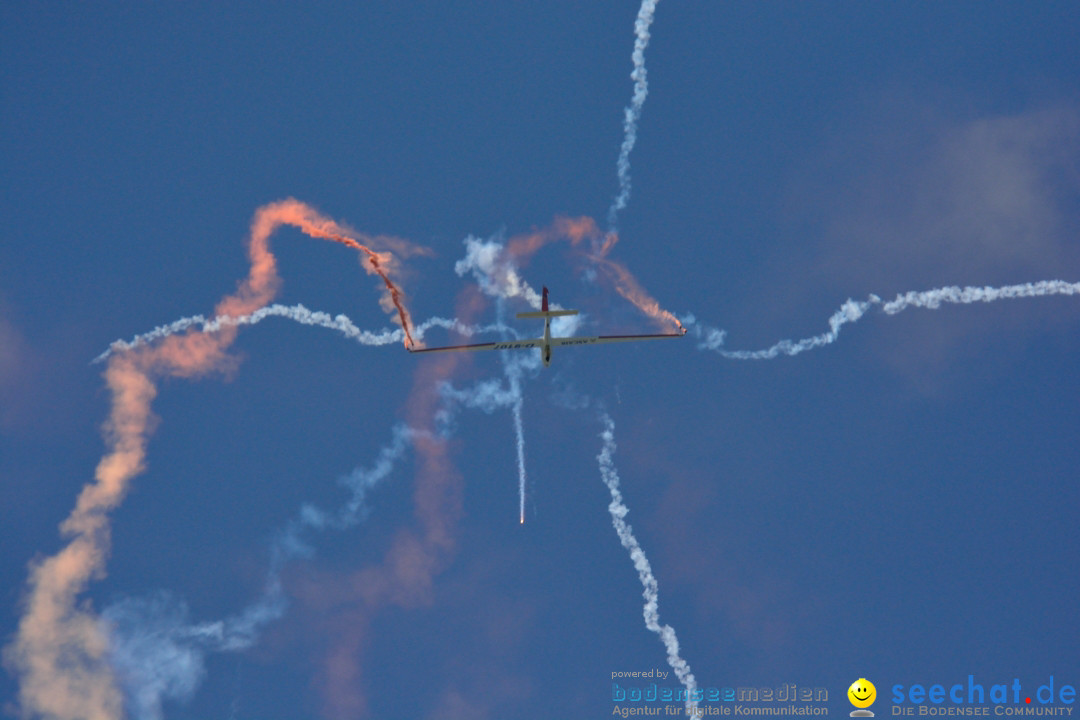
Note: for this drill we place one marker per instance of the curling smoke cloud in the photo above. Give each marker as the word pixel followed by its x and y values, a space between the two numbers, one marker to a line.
pixel 60 651
pixel 495 266
pixel 853 310
pixel 159 654
pixel 495 271
pixel 148 646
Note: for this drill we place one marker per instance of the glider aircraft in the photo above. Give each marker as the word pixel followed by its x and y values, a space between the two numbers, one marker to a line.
pixel 546 343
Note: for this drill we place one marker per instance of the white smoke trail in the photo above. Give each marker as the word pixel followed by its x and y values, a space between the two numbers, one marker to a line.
pixel 933 298
pixel 853 310
pixel 158 654
pixel 359 483
pixel 497 277
pixel 519 436
pixel 497 394
pixel 494 271
pixel 300 314
pixel 633 111
pixel 651 593
pixel 486 395
pixel 713 339
pixel 514 366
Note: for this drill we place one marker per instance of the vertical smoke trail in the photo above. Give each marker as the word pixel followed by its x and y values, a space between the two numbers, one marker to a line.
pixel 491 395
pixel 651 611
pixel 494 265
pixel 513 369
pixel 853 310
pixel 497 276
pixel 519 436
pixel 633 111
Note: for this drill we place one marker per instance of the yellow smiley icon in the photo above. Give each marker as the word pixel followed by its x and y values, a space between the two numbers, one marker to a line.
pixel 862 693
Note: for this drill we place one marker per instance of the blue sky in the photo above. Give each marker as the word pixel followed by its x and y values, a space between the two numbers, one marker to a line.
pixel 898 505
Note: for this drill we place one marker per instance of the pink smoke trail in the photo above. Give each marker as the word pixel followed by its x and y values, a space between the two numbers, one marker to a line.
pixel 59 651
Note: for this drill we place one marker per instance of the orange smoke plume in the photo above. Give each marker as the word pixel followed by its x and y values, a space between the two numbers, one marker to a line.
pixel 627 285
pixel 610 238
pixel 60 650
pixel 383 264
pixel 520 249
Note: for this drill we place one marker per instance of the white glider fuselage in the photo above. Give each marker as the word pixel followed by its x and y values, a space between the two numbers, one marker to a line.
pixel 546 343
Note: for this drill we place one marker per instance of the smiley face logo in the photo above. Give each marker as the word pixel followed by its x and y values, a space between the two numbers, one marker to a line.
pixel 862 693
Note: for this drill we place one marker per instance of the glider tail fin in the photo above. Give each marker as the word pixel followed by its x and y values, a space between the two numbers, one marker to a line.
pixel 544 312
